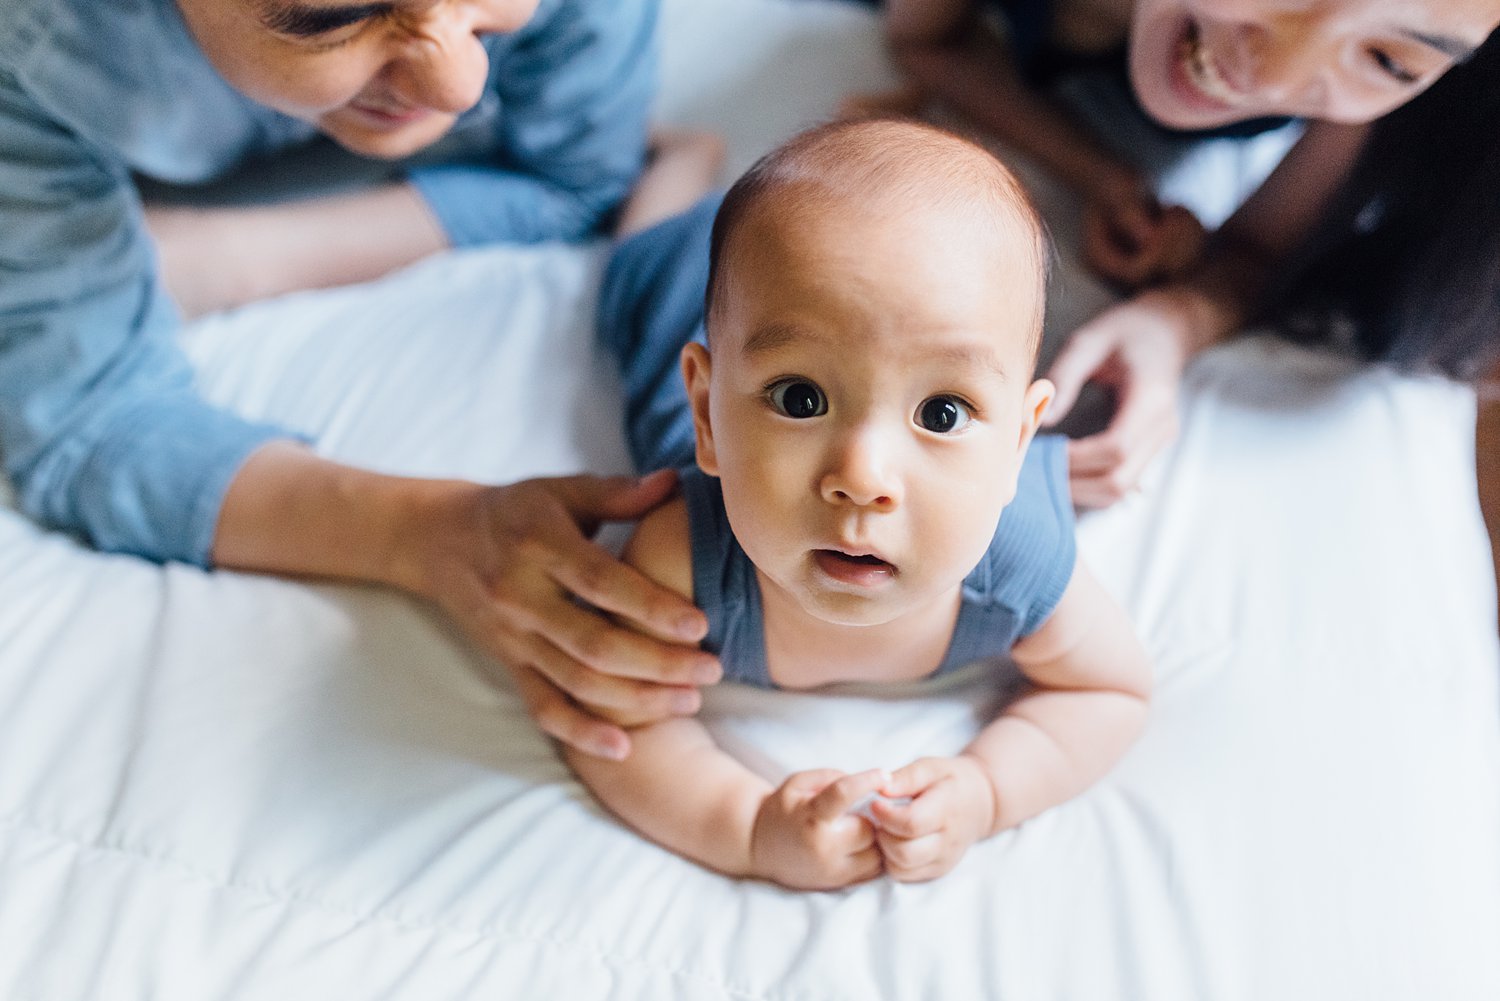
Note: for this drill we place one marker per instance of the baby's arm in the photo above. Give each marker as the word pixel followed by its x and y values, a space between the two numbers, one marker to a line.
pixel 1091 691
pixel 682 791
pixel 678 788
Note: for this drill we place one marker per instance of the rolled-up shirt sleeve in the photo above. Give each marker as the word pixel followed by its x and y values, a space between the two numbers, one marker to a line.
pixel 101 429
pixel 575 89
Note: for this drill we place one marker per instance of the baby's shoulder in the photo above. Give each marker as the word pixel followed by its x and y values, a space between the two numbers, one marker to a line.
pixel 661 547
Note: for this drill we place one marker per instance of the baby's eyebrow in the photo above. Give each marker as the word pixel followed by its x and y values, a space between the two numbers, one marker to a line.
pixel 773 337
pixel 968 356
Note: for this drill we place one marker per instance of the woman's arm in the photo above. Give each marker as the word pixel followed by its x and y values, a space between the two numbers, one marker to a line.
pixel 948 52
pixel 1487 463
pixel 1140 347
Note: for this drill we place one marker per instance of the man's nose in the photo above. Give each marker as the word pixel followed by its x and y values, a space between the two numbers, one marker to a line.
pixel 444 65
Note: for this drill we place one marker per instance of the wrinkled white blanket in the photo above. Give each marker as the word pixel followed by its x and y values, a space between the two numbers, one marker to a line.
pixel 222 786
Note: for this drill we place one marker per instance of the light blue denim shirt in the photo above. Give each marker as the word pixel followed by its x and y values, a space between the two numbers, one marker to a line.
pixel 101 428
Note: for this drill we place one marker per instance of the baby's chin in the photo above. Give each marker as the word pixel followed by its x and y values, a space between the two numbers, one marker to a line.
pixel 853 610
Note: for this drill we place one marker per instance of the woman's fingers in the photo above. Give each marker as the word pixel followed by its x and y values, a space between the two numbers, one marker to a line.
pixel 1104 468
pixel 1085 353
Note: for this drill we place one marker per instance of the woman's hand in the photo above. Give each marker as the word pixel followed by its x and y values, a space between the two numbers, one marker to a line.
pixel 1131 239
pixel 1139 349
pixel 514 567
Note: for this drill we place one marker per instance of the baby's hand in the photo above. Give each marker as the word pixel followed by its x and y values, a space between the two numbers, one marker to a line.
pixel 952 806
pixel 1133 240
pixel 805 838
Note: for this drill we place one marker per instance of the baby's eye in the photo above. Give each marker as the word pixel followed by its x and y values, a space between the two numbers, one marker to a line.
pixel 943 414
pixel 798 399
pixel 1393 67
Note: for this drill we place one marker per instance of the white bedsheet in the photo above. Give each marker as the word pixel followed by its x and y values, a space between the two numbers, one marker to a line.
pixel 222 786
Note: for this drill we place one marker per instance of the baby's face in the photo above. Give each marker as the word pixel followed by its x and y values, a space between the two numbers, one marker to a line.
pixel 868 402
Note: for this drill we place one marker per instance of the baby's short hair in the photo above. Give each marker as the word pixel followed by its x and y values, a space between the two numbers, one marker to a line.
pixel 869 161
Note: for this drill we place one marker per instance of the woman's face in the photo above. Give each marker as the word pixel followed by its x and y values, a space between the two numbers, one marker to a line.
pixel 384 78
pixel 1201 63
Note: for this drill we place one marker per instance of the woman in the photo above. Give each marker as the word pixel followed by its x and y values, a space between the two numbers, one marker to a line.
pixel 100 428
pixel 1190 65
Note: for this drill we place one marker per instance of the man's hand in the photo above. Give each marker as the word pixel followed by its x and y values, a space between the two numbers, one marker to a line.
pixel 953 805
pixel 805 837
pixel 515 569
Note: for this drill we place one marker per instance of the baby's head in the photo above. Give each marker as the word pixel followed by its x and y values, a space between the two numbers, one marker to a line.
pixel 874 306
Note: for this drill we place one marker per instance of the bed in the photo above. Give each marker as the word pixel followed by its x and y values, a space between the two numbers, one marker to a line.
pixel 234 787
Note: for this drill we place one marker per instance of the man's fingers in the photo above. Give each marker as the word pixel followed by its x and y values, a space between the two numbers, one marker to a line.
pixel 625 697
pixel 612 498
pixel 597 643
pixel 559 718
pixel 592 573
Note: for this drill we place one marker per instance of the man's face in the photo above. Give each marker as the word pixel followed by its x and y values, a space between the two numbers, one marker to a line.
pixel 384 78
pixel 1201 63
pixel 868 401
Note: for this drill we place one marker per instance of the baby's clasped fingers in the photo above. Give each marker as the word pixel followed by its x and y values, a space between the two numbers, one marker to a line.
pixel 839 798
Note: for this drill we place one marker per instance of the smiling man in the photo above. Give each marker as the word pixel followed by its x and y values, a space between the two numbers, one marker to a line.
pixel 101 429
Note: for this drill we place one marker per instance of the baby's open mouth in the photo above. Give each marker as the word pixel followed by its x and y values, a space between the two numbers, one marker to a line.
pixel 854 568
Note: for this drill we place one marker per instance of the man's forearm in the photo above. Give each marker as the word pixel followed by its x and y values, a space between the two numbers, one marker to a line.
pixel 293 513
pixel 220 257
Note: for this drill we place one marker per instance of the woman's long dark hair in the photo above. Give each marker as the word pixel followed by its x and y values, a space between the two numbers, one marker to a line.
pixel 1405 265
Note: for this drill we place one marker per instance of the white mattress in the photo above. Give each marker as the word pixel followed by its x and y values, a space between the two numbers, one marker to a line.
pixel 222 786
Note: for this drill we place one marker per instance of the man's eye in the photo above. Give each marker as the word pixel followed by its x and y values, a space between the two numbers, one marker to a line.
pixel 943 414
pixel 1392 66
pixel 798 399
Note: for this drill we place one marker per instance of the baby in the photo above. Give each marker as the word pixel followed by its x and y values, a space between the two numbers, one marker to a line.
pixel 857 388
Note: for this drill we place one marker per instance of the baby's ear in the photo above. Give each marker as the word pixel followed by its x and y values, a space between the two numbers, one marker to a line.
pixel 1033 408
pixel 697 366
